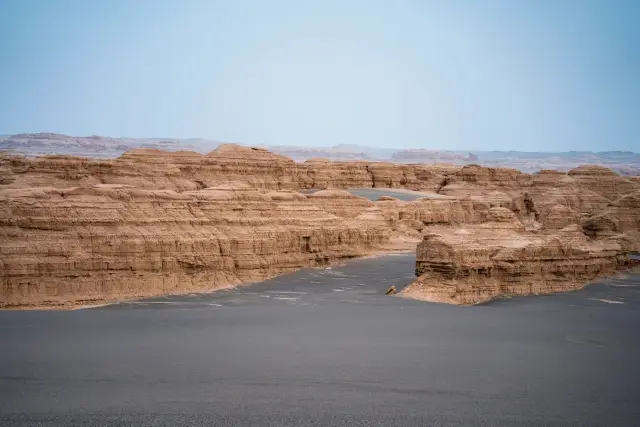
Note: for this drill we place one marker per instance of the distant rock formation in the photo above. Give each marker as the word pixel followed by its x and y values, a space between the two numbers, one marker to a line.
pixel 94 146
pixel 427 156
pixel 188 170
pixel 36 144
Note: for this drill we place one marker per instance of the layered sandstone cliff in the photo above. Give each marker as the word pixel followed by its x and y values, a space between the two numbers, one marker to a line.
pixel 78 230
pixel 105 242
pixel 188 170
pixel 476 264
pixel 579 235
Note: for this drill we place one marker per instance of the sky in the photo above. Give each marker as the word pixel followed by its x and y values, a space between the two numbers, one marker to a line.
pixel 528 75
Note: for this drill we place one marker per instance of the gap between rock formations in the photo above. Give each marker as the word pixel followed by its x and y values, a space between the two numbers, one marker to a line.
pixel 79 231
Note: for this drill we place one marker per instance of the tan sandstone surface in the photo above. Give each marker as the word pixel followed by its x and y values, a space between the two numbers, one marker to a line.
pixel 79 231
pixel 477 264
pixel 560 232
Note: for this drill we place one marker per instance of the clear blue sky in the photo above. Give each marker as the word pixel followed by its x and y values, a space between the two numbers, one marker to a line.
pixel 536 75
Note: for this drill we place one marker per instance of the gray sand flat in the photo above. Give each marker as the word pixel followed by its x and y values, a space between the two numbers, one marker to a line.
pixel 325 347
pixel 375 193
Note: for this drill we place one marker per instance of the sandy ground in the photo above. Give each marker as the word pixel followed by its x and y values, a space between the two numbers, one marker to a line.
pixel 417 194
pixel 397 245
pixel 325 347
pixel 399 193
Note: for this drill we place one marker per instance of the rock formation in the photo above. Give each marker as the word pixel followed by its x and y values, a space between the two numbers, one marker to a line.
pixel 38 144
pixel 66 246
pixel 483 263
pixel 93 146
pixel 80 230
pixel 558 232
pixel 188 170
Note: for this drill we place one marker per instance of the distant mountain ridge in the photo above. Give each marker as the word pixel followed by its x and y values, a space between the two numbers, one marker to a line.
pixel 32 144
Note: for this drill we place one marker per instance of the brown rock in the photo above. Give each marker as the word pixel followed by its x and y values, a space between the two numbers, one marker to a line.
pixel 152 222
pixel 106 242
pixel 461 268
pixel 602 181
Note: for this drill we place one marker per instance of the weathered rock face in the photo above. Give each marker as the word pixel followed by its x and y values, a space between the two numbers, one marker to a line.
pixel 619 217
pixel 474 180
pixel 602 181
pixel 483 263
pixel 76 230
pixel 324 174
pixel 444 211
pixel 340 202
pixel 625 163
pixel 627 210
pixel 574 233
pixel 105 242
pixel 430 156
pixel 228 163
pixel 188 170
pixel 94 146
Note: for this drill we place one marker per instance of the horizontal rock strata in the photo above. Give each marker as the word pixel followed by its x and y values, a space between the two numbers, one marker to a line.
pixel 107 242
pixel 473 265
pixel 80 230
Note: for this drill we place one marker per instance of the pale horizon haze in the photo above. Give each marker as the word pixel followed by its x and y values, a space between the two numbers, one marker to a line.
pixel 454 75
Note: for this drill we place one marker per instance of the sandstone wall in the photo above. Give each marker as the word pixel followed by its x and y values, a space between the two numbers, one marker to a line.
pixel 479 264
pixel 92 244
pixel 75 230
pixel 186 171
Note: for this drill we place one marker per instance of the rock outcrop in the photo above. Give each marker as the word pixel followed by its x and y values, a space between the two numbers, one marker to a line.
pixel 484 263
pixel 93 146
pixel 79 230
pixel 37 144
pixel 187 170
pixel 602 181
pixel 69 246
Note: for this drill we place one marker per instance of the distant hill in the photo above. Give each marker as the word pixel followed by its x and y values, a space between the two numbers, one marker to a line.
pixel 32 144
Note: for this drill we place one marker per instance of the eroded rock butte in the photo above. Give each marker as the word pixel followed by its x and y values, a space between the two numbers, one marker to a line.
pixel 77 231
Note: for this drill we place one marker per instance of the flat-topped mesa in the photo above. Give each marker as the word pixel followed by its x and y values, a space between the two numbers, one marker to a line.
pixel 256 166
pixel 340 202
pixel 568 193
pixel 591 170
pixel 620 217
pixel 571 192
pixel 494 178
pixel 154 155
pixel 152 222
pixel 356 174
pixel 322 174
pixel 67 171
pixel 419 155
pixel 188 170
pixel 448 211
pixel 602 181
pixel 474 264
pixel 497 185
pixel 236 151
pixel 63 247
